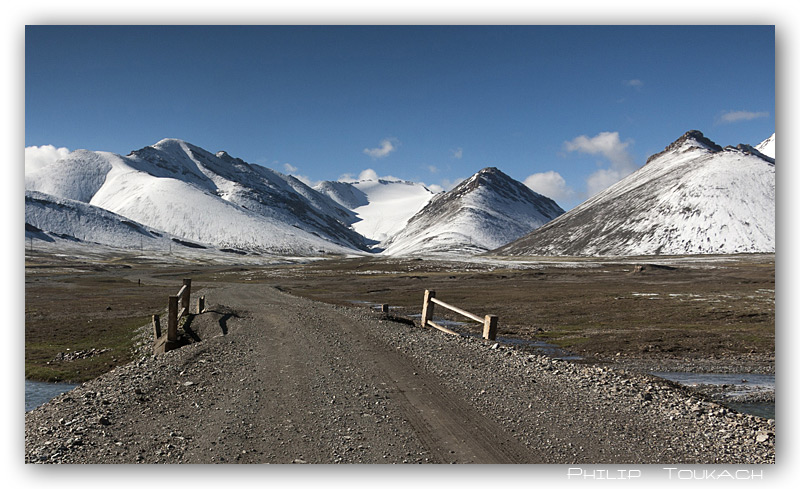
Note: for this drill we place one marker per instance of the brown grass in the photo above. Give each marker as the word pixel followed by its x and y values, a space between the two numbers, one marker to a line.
pixel 712 307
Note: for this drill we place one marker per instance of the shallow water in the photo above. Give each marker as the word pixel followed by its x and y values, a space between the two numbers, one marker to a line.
pixel 372 305
pixel 540 347
pixel 38 393
pixel 738 384
pixel 761 409
pixel 748 381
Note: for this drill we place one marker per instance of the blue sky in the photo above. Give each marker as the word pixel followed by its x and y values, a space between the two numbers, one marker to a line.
pixel 567 109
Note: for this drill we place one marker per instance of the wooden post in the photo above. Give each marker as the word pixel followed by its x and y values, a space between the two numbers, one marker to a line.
pixel 490 327
pixel 427 307
pixel 156 326
pixel 201 304
pixel 384 308
pixel 187 282
pixel 172 319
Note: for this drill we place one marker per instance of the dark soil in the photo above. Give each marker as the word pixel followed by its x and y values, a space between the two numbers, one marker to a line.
pixel 713 313
pixel 79 319
pixel 691 310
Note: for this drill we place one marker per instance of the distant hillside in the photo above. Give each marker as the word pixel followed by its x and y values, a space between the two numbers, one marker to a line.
pixel 76 221
pixel 218 200
pixel 694 197
pixel 481 213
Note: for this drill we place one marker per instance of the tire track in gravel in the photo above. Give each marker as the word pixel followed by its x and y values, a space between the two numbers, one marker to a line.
pixel 453 430
pixel 302 339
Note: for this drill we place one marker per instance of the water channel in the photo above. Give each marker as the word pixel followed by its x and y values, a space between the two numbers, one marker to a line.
pixel 734 389
pixel 38 393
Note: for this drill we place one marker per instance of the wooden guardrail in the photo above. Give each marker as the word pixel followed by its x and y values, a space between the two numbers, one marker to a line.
pixel 178 307
pixel 489 321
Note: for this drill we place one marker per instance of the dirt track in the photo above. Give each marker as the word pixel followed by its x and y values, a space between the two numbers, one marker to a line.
pixel 281 379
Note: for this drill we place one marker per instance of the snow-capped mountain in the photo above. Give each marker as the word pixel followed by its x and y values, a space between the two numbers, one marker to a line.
pixel 481 213
pixel 694 197
pixel 382 207
pixel 75 221
pixel 767 146
pixel 192 194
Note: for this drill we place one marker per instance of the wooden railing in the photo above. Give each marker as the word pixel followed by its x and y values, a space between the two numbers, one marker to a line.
pixel 174 315
pixel 489 321
pixel 178 307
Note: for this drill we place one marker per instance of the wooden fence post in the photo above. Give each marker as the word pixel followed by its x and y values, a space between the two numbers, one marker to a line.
pixel 156 326
pixel 172 319
pixel 490 327
pixel 201 304
pixel 427 307
pixel 187 282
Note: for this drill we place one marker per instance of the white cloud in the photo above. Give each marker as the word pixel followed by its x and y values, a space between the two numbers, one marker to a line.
pixel 289 168
pixel 740 115
pixel 608 145
pixel 433 169
pixel 368 174
pixel 635 83
pixel 458 153
pixel 40 156
pixel 387 146
pixel 550 184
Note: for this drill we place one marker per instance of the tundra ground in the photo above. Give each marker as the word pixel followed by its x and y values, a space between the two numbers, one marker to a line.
pixel 670 313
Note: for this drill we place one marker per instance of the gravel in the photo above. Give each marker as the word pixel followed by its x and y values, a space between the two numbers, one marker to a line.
pixel 295 381
pixel 667 423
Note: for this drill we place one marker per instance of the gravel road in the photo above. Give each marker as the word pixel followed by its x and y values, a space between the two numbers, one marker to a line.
pixel 281 379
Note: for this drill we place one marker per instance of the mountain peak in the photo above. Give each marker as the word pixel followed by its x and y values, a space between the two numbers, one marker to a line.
pixel 165 144
pixel 696 136
pixel 487 176
pixel 169 142
pixel 767 146
pixel 695 199
pixel 690 138
pixel 481 213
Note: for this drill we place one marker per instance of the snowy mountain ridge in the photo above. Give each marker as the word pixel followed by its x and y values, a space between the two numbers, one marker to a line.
pixel 382 207
pixel 77 221
pixel 767 147
pixel 694 197
pixel 188 192
pixel 481 213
